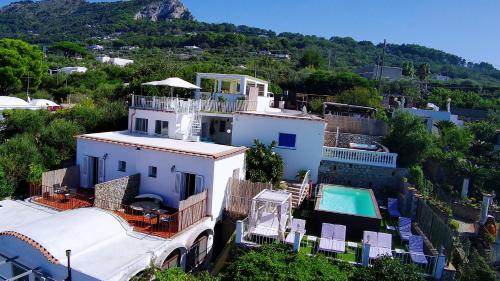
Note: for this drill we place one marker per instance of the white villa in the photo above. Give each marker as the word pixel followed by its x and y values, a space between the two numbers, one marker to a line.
pixel 177 157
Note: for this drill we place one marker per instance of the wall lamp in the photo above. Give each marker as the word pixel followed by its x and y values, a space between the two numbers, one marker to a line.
pixel 172 169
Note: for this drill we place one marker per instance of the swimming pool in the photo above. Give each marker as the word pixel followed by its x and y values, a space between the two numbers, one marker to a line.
pixel 347 200
pixel 355 208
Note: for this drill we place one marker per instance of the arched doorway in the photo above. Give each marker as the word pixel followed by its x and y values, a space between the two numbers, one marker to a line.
pixel 199 251
pixel 173 260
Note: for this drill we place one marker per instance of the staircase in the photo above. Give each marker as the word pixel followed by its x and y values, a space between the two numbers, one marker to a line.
pixel 294 189
pixel 195 130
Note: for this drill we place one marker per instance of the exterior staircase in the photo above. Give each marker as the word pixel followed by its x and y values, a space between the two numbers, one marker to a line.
pixel 294 189
pixel 299 190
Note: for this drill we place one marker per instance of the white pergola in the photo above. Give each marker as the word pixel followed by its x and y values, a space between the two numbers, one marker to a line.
pixel 271 211
pixel 234 80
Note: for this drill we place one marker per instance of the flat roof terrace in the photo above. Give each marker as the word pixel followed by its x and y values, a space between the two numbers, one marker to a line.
pixel 200 149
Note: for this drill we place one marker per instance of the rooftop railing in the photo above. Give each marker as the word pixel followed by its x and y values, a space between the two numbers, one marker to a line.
pixel 60 198
pixel 355 156
pixel 190 106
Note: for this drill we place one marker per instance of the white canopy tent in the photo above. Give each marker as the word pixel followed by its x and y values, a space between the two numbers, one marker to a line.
pixel 270 213
pixel 173 82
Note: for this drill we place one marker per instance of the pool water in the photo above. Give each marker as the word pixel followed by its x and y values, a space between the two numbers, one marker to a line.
pixel 347 200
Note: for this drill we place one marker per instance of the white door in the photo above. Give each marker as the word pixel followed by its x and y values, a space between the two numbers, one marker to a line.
pixel 100 171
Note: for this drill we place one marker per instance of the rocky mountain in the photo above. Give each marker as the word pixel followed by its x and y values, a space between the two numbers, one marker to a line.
pixel 160 10
pixel 70 17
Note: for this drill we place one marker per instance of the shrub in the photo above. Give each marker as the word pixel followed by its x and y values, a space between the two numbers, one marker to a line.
pixel 278 262
pixel 387 269
pixel 263 164
pixel 6 187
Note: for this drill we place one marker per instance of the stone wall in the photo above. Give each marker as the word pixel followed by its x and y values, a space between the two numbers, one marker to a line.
pixel 358 175
pixel 345 138
pixel 69 177
pixel 112 194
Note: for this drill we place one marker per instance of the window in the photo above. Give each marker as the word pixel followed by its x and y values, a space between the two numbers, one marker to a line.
pixel 287 140
pixel 161 127
pixel 122 166
pixel 261 88
pixel 188 184
pixel 222 126
pixel 152 171
pixel 141 125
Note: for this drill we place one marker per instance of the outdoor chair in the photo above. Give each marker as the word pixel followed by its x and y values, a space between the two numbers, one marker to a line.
pixel 332 238
pixel 298 225
pixel 416 245
pixel 404 228
pixel 393 208
pixel 384 244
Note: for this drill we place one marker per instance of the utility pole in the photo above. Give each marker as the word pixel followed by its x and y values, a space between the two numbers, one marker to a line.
pixel 381 66
pixel 28 86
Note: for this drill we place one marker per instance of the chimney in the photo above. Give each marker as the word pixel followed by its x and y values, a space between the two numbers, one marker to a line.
pixel 448 105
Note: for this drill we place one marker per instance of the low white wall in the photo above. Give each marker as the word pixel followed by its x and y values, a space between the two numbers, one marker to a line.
pixel 308 150
pixel 177 123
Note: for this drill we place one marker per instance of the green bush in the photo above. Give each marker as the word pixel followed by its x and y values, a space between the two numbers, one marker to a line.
pixel 263 164
pixel 387 269
pixel 6 187
pixel 278 262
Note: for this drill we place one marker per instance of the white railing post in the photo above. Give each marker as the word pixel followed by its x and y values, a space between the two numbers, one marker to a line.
pixel 239 232
pixel 440 264
pixel 296 242
pixel 365 254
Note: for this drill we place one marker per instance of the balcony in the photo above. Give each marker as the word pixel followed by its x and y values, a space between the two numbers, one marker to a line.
pixel 355 156
pixel 62 198
pixel 163 221
pixel 191 106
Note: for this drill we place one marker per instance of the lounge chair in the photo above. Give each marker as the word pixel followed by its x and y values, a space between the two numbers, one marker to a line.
pixel 380 243
pixel 416 245
pixel 298 225
pixel 332 238
pixel 393 208
pixel 404 228
pixel 384 243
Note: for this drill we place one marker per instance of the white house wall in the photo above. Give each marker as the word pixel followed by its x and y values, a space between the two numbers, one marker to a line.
pixel 309 139
pixel 138 161
pixel 222 172
pixel 177 123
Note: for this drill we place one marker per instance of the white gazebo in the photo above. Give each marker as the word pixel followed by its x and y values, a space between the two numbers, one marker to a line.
pixel 271 211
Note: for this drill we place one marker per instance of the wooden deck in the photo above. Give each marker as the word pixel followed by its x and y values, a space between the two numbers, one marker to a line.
pixel 84 198
pixel 152 226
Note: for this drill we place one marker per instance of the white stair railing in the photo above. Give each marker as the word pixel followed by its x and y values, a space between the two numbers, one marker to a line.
pixel 356 156
pixel 303 188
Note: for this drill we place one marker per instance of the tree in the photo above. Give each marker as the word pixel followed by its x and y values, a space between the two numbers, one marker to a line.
pixel 263 164
pixel 316 106
pixel 311 58
pixel 18 61
pixel 16 155
pixel 6 187
pixel 57 141
pixel 409 138
pixel 176 274
pixel 387 269
pixel 277 262
pixel 408 69
pixel 69 49
pixel 361 96
pixel 424 71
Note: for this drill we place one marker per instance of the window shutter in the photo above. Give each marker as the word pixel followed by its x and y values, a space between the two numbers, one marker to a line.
pixel 100 172
pixel 178 182
pixel 85 172
pixel 200 182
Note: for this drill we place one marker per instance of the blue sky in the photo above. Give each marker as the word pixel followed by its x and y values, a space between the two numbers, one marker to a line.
pixel 468 28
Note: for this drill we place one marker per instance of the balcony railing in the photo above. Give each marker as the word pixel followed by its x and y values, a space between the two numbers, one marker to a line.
pixel 163 222
pixel 189 106
pixel 354 156
pixel 60 198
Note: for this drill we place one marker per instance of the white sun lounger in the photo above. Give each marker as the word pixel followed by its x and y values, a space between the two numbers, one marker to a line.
pixel 332 238
pixel 298 225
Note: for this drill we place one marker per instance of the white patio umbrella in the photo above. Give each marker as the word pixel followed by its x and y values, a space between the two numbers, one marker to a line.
pixel 173 82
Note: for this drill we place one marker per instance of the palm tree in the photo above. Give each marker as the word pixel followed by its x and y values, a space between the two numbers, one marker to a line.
pixel 442 125
pixel 471 171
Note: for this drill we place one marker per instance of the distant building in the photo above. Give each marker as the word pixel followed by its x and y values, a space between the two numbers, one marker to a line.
pixel 433 116
pixel 114 61
pixel 440 77
pixel 388 73
pixel 73 69
pixel 96 47
pixel 193 47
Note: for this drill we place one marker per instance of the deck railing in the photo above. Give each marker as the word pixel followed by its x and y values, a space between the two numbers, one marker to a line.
pixel 59 199
pixel 190 106
pixel 304 188
pixel 355 156
pixel 161 223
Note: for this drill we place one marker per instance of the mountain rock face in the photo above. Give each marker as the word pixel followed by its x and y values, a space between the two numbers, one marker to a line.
pixel 163 10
